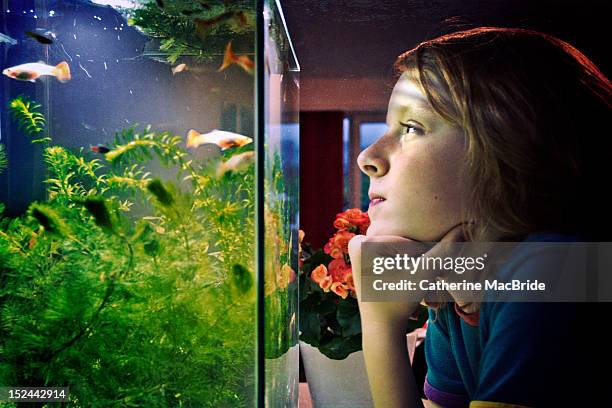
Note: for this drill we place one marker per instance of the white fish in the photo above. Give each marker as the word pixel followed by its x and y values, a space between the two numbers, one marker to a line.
pixel 179 68
pixel 33 70
pixel 237 163
pixel 221 138
pixel 6 39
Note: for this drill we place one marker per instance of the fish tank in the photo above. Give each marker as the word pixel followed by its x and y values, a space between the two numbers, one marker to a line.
pixel 149 154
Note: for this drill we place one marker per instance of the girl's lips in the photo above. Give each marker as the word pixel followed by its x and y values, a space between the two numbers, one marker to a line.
pixel 376 200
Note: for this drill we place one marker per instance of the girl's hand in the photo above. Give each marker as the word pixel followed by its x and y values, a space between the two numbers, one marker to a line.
pixel 393 313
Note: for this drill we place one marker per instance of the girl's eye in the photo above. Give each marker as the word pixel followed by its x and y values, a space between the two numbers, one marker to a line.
pixel 412 129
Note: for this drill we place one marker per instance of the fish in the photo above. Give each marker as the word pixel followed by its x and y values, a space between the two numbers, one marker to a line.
pixel 243 61
pixel 204 26
pixel 33 70
pixel 46 38
pixel 179 68
pixel 221 138
pixel 7 39
pixel 99 149
pixel 237 163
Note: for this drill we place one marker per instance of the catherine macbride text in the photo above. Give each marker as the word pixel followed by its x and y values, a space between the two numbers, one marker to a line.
pixel 413 264
pixel 513 285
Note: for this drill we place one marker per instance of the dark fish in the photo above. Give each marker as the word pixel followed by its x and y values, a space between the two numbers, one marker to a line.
pixel 99 149
pixel 43 39
pixel 161 4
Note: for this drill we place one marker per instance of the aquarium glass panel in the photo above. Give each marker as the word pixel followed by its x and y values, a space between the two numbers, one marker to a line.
pixel 280 206
pixel 128 202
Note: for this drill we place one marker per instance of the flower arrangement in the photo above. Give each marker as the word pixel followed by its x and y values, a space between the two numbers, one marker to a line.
pixel 329 315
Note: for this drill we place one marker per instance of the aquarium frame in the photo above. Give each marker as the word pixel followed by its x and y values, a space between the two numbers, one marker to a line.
pixel 260 199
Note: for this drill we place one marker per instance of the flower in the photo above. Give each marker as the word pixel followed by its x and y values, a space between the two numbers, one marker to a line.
pixel 350 284
pixel 320 276
pixel 326 283
pixel 318 273
pixel 339 289
pixel 331 301
pixel 339 270
pixel 352 220
pixel 301 235
pixel 337 246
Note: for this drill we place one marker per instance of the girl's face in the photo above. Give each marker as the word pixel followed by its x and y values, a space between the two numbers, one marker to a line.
pixel 416 168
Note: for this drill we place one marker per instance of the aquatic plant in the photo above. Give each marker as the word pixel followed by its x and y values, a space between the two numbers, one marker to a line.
pixel 178 25
pixel 28 118
pixel 3 158
pixel 151 308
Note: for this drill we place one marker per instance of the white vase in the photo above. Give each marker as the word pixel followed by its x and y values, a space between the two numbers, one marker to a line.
pixel 336 383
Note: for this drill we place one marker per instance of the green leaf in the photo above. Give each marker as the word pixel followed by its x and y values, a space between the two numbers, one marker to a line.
pixel 348 317
pixel 339 348
pixel 310 326
pixel 3 158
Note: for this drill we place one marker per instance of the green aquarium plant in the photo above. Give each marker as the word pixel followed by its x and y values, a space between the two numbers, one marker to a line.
pixel 28 117
pixel 3 158
pixel 195 28
pixel 154 307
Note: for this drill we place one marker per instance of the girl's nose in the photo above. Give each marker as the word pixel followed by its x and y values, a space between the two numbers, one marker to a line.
pixel 373 161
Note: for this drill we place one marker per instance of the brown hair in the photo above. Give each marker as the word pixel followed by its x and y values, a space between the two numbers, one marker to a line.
pixel 533 109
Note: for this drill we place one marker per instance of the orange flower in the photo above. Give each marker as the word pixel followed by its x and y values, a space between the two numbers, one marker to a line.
pixel 342 224
pixel 339 270
pixel 340 290
pixel 319 273
pixel 353 220
pixel 332 249
pixel 341 240
pixel 301 238
pixel 326 283
pixel 350 283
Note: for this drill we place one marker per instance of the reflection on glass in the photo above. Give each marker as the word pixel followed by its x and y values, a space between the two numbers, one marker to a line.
pixel 281 188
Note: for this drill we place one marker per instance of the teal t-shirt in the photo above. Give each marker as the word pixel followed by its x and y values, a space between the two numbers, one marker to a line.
pixel 526 354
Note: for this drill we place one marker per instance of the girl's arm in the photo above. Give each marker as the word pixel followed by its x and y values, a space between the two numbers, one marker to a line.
pixel 384 343
pixel 389 371
pixel 384 334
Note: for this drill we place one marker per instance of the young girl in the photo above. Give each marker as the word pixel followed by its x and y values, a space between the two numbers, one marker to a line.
pixel 494 134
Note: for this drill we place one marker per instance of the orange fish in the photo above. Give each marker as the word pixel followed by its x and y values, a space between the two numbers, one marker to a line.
pixel 221 138
pixel 230 58
pixel 32 71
